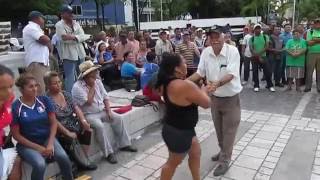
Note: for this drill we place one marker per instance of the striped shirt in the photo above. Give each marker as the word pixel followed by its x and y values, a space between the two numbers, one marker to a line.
pixel 187 51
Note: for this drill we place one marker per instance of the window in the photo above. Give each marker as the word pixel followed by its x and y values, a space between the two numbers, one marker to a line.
pixel 77 10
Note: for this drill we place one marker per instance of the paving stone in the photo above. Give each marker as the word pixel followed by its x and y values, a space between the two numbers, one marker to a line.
pixel 157 173
pixel 265 170
pixel 318 154
pixel 120 178
pixel 130 164
pixel 240 173
pixel 255 152
pixel 249 135
pixel 272 136
pixel 262 143
pixel 141 157
pixel 284 136
pixel 271 128
pixel 162 152
pixel 298 123
pixel 280 144
pixel 242 143
pixel 236 152
pixel 274 154
pixel 260 176
pixel 317 161
pixel 119 171
pixel 151 150
pixel 272 159
pixel 110 177
pixel 153 162
pixel 315 177
pixel 238 147
pixel 277 149
pixel 245 139
pixel 268 164
pixel 316 169
pixel 137 173
pixel 284 141
pixel 248 162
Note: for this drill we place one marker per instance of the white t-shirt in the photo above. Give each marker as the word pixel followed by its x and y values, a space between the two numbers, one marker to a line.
pixel 214 68
pixel 246 42
pixel 35 52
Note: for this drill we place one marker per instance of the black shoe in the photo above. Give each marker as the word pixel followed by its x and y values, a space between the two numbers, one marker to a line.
pixel 90 167
pixel 307 90
pixel 279 85
pixel 215 157
pixel 129 149
pixel 221 169
pixel 112 159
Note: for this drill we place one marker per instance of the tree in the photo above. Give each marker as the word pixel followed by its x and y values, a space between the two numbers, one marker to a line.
pixel 309 9
pixel 17 10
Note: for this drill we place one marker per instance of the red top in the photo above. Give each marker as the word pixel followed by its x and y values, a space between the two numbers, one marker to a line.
pixel 150 94
pixel 5 117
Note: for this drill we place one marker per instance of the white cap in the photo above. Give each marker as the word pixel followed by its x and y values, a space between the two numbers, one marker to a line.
pixel 199 29
pixel 257 25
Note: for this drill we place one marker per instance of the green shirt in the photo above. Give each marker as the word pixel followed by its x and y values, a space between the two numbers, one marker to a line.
pixel 293 44
pixel 315 34
pixel 259 42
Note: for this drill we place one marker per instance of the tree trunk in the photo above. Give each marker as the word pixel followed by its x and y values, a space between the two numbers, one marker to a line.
pixel 135 14
pixel 102 12
pixel 97 13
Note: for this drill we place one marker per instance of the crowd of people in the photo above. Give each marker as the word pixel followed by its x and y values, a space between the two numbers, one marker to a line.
pixel 57 112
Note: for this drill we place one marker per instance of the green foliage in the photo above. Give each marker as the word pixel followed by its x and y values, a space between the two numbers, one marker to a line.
pixel 19 9
pixel 309 9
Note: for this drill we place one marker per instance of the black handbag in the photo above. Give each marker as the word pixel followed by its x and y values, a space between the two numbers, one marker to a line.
pixel 7 141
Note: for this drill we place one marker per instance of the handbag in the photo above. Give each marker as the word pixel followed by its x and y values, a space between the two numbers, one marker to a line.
pixel 7 141
pixel 71 122
pixel 142 101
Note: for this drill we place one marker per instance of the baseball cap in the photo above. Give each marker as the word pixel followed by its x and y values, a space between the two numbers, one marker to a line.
pixel 256 26
pixel 199 29
pixel 66 9
pixel 214 29
pixel 35 14
pixel 317 20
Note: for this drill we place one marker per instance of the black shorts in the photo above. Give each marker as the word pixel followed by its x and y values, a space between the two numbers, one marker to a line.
pixel 177 140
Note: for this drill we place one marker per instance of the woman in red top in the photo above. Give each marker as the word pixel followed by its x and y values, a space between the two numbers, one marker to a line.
pixel 8 157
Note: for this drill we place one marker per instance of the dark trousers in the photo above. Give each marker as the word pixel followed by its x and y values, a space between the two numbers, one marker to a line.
pixel 246 68
pixel 283 68
pixel 277 66
pixel 266 70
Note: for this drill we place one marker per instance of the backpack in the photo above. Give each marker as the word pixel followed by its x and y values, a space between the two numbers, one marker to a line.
pixel 142 101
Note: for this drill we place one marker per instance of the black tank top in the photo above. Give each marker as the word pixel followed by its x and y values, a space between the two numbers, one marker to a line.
pixel 180 117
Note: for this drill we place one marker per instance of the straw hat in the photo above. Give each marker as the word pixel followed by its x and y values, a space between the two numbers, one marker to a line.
pixel 86 68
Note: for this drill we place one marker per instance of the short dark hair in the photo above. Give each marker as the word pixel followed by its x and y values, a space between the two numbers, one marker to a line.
pixel 5 70
pixel 151 56
pixel 24 79
pixel 287 25
pixel 126 54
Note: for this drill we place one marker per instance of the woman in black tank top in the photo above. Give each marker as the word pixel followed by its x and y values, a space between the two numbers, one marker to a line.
pixel 182 98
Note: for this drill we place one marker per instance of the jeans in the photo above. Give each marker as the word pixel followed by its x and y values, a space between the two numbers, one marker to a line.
pixel 266 71
pixel 246 68
pixel 38 162
pixel 71 71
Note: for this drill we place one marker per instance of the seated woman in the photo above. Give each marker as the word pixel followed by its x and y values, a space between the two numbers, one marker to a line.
pixel 149 68
pixel 142 54
pixel 34 127
pixel 9 161
pixel 109 70
pixel 72 126
pixel 130 74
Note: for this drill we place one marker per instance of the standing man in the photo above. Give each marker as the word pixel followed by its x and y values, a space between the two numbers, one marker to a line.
pixel 177 39
pixel 313 57
pixel 187 50
pixel 259 43
pixel 163 45
pixel 72 36
pixel 276 52
pixel 134 42
pixel 220 64
pixel 199 38
pixel 122 46
pixel 37 47
pixel 285 36
pixel 246 54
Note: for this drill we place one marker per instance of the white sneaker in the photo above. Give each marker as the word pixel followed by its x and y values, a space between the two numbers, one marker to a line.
pixel 256 89
pixel 244 83
pixel 272 89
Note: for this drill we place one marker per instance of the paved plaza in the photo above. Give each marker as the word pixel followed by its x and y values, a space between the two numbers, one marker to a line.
pixel 278 139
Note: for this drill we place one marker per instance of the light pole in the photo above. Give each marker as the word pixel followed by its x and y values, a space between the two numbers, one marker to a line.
pixel 293 13
pixel 161 11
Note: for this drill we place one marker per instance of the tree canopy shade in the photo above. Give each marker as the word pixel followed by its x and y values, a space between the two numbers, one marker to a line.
pixel 309 9
pixel 19 9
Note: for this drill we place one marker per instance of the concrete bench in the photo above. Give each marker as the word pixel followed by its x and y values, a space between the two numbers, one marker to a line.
pixel 136 121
